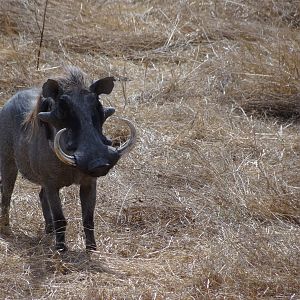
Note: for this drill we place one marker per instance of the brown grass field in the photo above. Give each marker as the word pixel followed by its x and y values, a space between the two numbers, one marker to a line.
pixel 207 205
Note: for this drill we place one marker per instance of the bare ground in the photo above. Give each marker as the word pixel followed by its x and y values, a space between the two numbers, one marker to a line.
pixel 207 205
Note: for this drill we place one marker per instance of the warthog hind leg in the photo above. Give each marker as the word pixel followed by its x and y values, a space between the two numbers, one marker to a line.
pixel 8 171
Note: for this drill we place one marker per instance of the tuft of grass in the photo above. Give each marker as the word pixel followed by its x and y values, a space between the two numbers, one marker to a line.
pixel 206 206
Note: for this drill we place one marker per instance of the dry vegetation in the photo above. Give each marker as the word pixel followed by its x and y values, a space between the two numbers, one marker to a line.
pixel 207 205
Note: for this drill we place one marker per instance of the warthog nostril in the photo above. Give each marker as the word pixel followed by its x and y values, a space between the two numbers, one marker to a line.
pixel 98 164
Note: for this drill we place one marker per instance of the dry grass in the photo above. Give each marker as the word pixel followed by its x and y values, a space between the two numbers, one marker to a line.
pixel 207 205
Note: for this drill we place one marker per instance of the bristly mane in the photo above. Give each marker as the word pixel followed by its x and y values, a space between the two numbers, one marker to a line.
pixel 74 79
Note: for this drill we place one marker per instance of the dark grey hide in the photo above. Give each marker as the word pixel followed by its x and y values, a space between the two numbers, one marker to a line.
pixel 29 122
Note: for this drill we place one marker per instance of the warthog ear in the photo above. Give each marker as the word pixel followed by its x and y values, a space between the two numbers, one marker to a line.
pixel 103 86
pixel 108 111
pixel 51 89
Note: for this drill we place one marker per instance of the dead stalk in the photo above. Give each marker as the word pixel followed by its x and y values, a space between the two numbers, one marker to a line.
pixel 42 36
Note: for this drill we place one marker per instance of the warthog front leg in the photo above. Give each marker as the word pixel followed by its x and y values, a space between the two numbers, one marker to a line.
pixel 8 173
pixel 58 219
pixel 88 202
pixel 46 212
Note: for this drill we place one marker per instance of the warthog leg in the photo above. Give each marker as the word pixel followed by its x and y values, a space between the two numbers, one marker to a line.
pixel 9 174
pixel 46 212
pixel 88 202
pixel 59 221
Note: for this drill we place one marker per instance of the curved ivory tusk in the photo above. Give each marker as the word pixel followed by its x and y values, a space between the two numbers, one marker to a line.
pixel 127 147
pixel 65 158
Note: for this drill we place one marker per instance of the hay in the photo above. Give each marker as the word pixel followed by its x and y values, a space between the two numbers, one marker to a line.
pixel 206 206
pixel 280 106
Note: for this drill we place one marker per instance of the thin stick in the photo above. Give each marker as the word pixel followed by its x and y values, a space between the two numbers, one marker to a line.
pixel 42 35
pixel 123 202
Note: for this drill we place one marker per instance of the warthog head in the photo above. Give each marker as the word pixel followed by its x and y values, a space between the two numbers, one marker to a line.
pixel 73 117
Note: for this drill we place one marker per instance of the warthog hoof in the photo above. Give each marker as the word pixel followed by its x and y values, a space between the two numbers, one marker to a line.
pixel 49 229
pixel 5 230
pixel 61 247
pixel 4 225
pixel 91 248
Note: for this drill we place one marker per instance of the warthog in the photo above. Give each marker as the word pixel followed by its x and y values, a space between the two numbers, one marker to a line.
pixel 54 137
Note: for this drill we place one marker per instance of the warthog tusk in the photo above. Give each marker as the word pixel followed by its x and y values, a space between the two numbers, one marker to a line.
pixel 128 146
pixel 65 158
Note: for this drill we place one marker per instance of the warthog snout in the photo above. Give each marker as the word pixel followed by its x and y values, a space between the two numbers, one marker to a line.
pixel 100 167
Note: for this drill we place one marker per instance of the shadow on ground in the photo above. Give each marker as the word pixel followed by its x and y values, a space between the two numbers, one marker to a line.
pixel 41 261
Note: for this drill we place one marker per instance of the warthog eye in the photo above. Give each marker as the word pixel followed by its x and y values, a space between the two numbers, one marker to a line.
pixel 96 121
pixel 98 115
pixel 64 109
pixel 63 103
